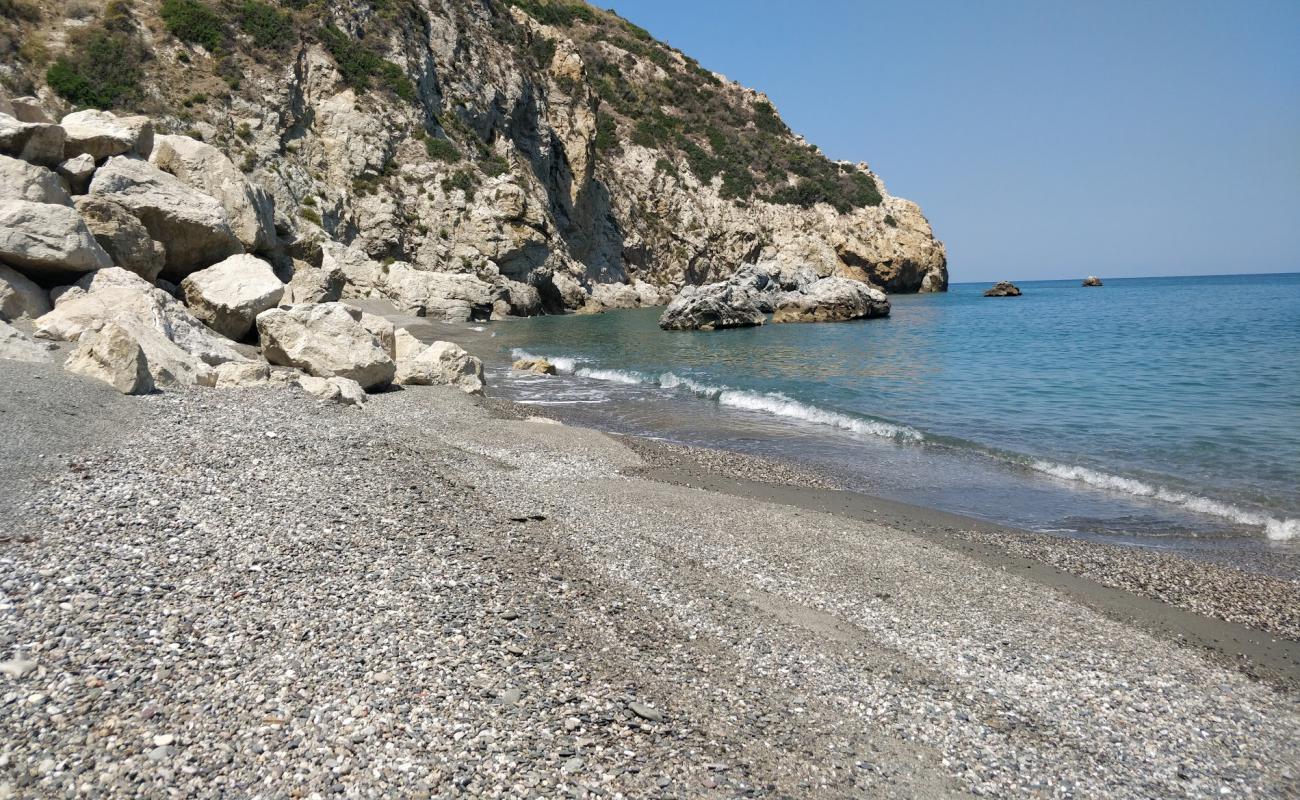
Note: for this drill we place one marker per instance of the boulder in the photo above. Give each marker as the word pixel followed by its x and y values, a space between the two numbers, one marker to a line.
pixel 191 225
pixel 344 391
pixel 239 374
pixel 539 366
pixel 20 298
pixel 383 331
pixel 122 236
pixel 18 346
pixel 446 296
pixel 249 208
pixel 37 142
pixel 711 307
pixel 101 134
pixel 517 300
pixel 1092 280
pixel 29 109
pixel 614 295
pixel 1003 289
pixel 832 300
pixel 47 242
pixel 313 284
pixel 22 181
pixel 112 355
pixel 180 349
pixel 78 171
pixel 229 295
pixel 325 340
pixel 441 363
pixel 649 294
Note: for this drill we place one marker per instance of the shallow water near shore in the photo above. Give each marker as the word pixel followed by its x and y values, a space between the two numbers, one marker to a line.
pixel 1162 412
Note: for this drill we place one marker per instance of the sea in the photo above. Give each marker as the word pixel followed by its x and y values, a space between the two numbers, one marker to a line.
pixel 1151 412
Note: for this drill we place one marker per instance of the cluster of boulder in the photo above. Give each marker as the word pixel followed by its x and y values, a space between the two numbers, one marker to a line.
pixel 791 293
pixel 153 256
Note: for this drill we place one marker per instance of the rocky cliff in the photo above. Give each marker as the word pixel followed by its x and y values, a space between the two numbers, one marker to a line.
pixel 399 138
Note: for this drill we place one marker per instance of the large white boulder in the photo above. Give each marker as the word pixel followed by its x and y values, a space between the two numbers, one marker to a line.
pixel 112 355
pixel 325 340
pixel 20 298
pixel 20 180
pixel 832 300
pixel 229 295
pixel 37 142
pixel 344 391
pixel 249 208
pixel 46 241
pixel 100 134
pixel 313 284
pixel 711 307
pixel 77 171
pixel 191 225
pixel 180 349
pixel 440 363
pixel 122 236
pixel 18 346
pixel 446 296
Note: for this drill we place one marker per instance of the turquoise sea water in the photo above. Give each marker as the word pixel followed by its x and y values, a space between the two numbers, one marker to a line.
pixel 1160 411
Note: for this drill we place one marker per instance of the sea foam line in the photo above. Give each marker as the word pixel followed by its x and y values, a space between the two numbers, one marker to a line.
pixel 1274 528
pixel 777 405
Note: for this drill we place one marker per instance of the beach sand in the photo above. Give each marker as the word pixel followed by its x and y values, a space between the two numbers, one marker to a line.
pixel 243 592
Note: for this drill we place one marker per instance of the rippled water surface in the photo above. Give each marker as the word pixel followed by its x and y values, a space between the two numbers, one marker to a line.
pixel 1157 411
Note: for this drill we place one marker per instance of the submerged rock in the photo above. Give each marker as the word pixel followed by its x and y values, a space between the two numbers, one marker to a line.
pixel 1003 289
pixel 539 366
pixel 832 300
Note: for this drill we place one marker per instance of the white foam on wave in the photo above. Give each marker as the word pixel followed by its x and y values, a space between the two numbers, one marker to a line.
pixel 610 375
pixel 561 363
pixel 781 406
pixel 1276 529
pixel 670 381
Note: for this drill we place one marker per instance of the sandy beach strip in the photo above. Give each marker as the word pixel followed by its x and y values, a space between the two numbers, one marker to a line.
pixel 246 592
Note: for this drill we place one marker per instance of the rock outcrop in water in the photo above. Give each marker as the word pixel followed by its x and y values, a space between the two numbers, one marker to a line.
pixel 1092 280
pixel 528 152
pixel 1003 289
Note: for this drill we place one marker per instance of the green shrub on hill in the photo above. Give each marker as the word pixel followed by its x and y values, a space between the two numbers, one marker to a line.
pixel 99 68
pixel 556 12
pixel 195 22
pixel 358 64
pixel 269 27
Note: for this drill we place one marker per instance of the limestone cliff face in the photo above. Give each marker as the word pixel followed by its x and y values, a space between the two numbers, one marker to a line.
pixel 491 138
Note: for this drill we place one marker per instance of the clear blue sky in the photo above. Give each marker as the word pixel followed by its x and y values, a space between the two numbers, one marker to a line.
pixel 1043 139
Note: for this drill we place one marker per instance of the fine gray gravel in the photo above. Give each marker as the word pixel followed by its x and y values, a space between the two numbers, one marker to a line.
pixel 247 593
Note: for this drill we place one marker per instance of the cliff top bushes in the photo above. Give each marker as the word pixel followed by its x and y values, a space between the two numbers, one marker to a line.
pixel 101 67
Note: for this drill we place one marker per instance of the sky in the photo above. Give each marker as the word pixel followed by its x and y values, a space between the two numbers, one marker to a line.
pixel 1042 139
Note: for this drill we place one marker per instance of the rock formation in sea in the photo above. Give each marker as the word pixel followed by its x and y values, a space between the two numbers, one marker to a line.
pixel 465 160
pixel 1092 280
pixel 1003 289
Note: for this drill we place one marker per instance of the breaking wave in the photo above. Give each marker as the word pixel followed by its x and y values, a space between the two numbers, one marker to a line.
pixel 1274 528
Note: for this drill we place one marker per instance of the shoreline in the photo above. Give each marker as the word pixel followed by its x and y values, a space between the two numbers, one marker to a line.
pixel 391 582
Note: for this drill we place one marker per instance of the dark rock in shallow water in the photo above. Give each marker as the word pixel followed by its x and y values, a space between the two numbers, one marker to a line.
pixel 1003 289
pixel 1092 280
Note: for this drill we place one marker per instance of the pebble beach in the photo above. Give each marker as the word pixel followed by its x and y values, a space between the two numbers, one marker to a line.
pixel 249 593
